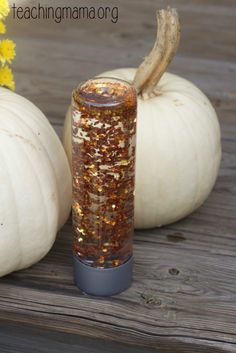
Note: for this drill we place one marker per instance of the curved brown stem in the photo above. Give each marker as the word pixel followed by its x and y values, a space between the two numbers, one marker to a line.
pixel 165 47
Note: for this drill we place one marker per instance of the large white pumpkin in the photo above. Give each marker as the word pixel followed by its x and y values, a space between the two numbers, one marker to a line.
pixel 178 140
pixel 35 183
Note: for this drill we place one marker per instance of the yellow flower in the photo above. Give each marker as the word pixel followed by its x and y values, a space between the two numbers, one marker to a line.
pixel 4 9
pixel 2 28
pixel 6 77
pixel 7 51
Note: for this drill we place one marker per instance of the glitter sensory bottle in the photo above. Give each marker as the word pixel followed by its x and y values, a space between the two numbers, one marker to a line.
pixel 103 166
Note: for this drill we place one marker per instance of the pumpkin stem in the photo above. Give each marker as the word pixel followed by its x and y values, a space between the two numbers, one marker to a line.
pixel 155 64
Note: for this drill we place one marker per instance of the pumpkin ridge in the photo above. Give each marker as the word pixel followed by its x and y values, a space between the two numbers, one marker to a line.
pixel 207 108
pixel 51 167
pixel 195 152
pixel 16 216
pixel 36 176
pixel 38 181
pixel 210 143
pixel 43 147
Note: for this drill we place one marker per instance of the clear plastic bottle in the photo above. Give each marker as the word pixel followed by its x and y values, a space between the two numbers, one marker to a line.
pixel 103 167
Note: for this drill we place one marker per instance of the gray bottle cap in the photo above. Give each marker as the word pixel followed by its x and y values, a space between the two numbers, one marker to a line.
pixel 103 282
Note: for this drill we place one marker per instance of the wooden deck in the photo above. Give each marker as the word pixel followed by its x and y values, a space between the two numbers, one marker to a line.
pixel 183 298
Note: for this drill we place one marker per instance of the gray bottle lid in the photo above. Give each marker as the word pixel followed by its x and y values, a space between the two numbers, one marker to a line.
pixel 103 282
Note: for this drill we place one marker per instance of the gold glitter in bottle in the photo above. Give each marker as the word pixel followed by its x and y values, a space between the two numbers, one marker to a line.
pixel 103 163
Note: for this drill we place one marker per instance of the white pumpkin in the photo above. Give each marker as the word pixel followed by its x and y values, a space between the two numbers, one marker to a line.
pixel 178 137
pixel 35 187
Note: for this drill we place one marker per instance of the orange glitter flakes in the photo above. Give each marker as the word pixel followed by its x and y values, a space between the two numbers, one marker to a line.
pixel 92 166
pixel 81 230
pixel 94 173
pixel 103 165
pixel 116 263
pixel 77 209
pixel 101 259
pixel 124 162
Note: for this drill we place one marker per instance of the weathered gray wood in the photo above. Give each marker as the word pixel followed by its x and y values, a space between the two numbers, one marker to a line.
pixel 16 338
pixel 184 291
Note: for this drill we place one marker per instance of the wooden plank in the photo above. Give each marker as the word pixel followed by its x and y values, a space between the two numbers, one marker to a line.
pixel 21 339
pixel 184 291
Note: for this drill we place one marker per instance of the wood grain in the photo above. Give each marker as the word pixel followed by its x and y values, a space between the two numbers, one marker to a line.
pixel 184 291
pixel 26 336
